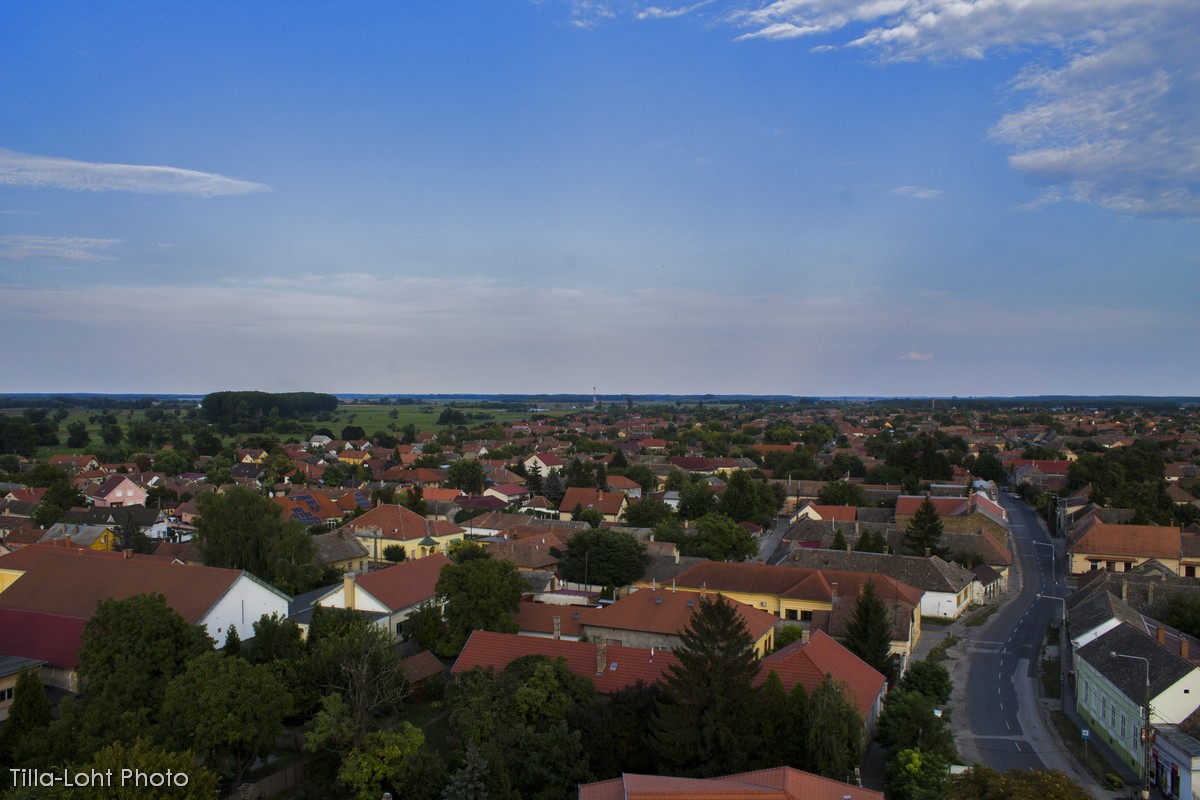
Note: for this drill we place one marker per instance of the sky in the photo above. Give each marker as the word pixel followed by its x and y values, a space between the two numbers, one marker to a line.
pixel 806 197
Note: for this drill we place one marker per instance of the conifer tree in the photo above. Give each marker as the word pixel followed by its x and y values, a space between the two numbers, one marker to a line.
pixel 869 635
pixel 924 530
pixel 707 725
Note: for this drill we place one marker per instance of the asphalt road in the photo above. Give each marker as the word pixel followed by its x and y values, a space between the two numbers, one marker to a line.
pixel 1006 728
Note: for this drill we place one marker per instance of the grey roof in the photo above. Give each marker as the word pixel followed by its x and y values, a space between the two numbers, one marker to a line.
pixel 11 665
pixel 538 581
pixel 144 517
pixel 337 546
pixel 1145 589
pixel 1129 674
pixel 664 568
pixel 1177 739
pixel 1095 608
pixel 930 574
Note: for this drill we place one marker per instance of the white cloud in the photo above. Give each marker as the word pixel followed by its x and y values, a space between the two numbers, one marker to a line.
pixel 913 355
pixel 1110 114
pixel 917 192
pixel 53 248
pixel 22 169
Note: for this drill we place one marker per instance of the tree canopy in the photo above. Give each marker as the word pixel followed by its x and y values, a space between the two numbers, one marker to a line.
pixel 869 634
pixel 480 594
pixel 605 557
pixel 924 530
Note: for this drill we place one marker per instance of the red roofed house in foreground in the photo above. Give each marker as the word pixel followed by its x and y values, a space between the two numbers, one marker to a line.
pixel 394 592
pixel 780 783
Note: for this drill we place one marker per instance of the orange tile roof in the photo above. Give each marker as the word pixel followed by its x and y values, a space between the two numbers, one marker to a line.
pixel 608 503
pixel 398 522
pixel 907 505
pixel 837 513
pixel 799 583
pixel 1137 541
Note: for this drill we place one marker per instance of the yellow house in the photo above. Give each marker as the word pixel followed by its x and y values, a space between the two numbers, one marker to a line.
pixel 353 457
pixel 93 537
pixel 1122 548
pixel 817 597
pixel 387 525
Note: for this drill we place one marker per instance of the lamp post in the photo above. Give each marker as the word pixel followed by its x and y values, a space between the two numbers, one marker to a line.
pixel 1063 654
pixel 1053 560
pixel 1145 725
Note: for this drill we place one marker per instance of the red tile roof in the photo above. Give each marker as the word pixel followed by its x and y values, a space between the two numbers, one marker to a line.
pixel 779 783
pixel 809 662
pixel 837 513
pixel 406 584
pixel 1134 541
pixel 907 505
pixel 798 583
pixel 607 503
pixel 72 582
pixel 539 618
pixel 623 666
pixel 666 612
pixel 52 638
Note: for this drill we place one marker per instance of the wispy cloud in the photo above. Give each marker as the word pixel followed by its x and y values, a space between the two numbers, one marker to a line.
pixel 913 355
pixel 917 192
pixel 661 12
pixel 22 169
pixel 54 248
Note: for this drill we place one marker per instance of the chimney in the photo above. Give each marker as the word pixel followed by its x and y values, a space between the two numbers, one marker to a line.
pixel 676 559
pixel 1162 635
pixel 1183 647
pixel 67 538
pixel 348 587
pixel 833 587
pixel 1149 593
pixel 601 658
pixel 928 552
pixel 848 548
pixel 804 636
pixel 127 553
pixel 1125 590
pixel 558 627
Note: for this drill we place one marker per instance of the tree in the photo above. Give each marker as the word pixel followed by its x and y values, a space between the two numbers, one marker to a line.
pixel 466 474
pixel 395 553
pixel 839 540
pixel 467 782
pixel 696 500
pixel 553 487
pixel 240 529
pixel 77 434
pixel 930 679
pixel 227 710
pixel 718 538
pixel 28 715
pixel 869 634
pixel 915 774
pixel 355 432
pixel 908 719
pixel 841 493
pixel 111 434
pixel 377 759
pixel 647 513
pixel 924 530
pixel 984 783
pixel 870 541
pixel 359 662
pixel 60 497
pixel 480 594
pixel 233 642
pixel 745 501
pixel 708 724
pixel 833 732
pixel 142 757
pixel 606 557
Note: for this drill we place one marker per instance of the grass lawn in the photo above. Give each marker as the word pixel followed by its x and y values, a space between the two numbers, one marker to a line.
pixel 982 616
pixel 1052 678
pixel 1092 761
pixel 938 653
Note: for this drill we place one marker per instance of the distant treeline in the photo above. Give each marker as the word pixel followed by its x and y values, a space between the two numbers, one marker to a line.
pixel 235 407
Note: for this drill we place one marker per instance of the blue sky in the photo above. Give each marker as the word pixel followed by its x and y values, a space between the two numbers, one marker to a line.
pixel 813 197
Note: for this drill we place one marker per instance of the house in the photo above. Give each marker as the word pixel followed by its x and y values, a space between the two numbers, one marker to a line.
pixel 542 463
pixel 509 493
pixel 551 620
pixel 780 783
pixel 611 505
pixel 393 593
pixel 387 525
pixel 341 551
pixel 118 490
pixel 1118 672
pixel 814 511
pixel 95 537
pixel 817 599
pixel 1121 548
pixel 11 668
pixel 948 588
pixel 40 585
pixel 626 486
pixel 657 617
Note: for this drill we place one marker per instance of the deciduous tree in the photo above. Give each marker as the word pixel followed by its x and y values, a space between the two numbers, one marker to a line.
pixel 605 557
pixel 480 594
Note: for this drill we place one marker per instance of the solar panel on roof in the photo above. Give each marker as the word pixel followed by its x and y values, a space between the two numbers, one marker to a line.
pixel 305 517
pixel 362 500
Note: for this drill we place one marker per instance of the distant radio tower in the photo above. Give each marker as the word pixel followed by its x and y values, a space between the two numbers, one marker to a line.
pixel 934 401
pixel 595 402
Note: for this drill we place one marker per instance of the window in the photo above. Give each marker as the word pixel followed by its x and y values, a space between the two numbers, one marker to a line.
pixel 1111 566
pixel 1087 694
pixel 806 616
pixel 6 694
pixel 1189 572
pixel 1122 725
pixel 792 614
pixel 1129 566
pixel 1103 706
pixel 1095 565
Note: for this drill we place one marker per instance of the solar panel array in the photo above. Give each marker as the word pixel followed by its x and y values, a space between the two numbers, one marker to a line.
pixel 305 517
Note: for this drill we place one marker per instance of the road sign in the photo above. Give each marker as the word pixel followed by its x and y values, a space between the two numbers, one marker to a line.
pixel 1086 733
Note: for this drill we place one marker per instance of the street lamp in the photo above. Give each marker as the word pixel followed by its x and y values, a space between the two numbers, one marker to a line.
pixel 1145 725
pixel 1053 560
